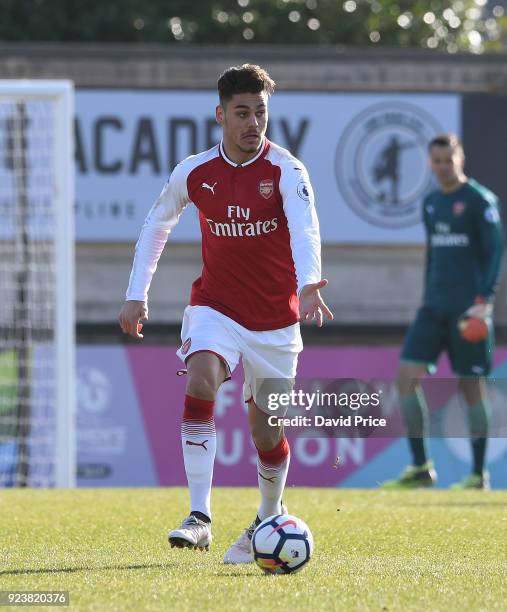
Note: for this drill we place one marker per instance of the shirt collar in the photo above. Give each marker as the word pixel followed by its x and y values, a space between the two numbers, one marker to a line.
pixel 262 150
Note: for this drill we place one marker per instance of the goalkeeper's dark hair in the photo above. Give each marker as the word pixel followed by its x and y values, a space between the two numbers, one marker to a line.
pixel 446 140
pixel 247 78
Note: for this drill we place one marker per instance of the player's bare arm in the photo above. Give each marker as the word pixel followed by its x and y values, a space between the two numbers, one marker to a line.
pixel 312 306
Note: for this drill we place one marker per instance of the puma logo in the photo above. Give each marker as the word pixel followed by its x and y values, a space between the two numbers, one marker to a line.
pixel 210 187
pixel 203 444
pixel 271 479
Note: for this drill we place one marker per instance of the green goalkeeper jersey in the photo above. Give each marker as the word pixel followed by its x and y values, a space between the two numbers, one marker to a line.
pixel 464 246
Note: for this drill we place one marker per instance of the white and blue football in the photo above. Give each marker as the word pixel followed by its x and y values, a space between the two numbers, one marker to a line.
pixel 282 544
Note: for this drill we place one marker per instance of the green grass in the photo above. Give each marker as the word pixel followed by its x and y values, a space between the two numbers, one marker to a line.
pixel 383 550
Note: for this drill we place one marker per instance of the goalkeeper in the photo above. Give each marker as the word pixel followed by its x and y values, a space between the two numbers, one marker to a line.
pixel 464 251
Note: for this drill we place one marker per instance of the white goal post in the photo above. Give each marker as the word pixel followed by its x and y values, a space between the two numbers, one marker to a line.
pixel 37 336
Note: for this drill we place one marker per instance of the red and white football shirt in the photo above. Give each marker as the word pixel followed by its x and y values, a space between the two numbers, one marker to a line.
pixel 260 234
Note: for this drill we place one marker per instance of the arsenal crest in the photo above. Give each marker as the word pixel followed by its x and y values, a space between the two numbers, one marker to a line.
pixel 186 346
pixel 266 188
pixel 458 208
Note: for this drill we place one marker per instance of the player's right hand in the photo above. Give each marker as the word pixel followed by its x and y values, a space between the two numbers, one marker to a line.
pixel 132 312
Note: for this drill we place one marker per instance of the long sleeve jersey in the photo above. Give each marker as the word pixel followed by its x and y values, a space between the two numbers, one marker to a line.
pixel 260 234
pixel 464 246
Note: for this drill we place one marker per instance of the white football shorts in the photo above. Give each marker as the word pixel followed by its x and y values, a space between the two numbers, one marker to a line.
pixel 268 357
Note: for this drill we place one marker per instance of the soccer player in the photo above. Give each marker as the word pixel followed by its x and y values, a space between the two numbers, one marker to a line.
pixel 261 275
pixel 464 251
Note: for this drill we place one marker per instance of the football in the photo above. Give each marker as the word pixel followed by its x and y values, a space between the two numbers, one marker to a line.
pixel 282 544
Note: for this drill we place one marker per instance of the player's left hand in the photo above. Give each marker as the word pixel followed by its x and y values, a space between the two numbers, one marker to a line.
pixel 311 305
pixel 480 311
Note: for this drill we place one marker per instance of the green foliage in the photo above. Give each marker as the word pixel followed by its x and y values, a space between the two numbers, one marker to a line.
pixel 435 24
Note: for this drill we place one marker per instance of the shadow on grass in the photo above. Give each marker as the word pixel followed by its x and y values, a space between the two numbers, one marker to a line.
pixel 70 570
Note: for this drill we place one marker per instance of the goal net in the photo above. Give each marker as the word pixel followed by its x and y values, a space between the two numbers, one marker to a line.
pixel 37 343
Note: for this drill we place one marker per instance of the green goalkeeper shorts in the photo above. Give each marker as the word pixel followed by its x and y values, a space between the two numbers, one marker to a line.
pixel 434 331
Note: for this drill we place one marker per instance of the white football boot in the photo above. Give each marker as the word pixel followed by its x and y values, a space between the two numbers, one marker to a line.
pixel 241 550
pixel 193 533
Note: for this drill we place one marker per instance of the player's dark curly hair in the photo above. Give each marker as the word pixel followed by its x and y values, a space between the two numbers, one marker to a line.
pixel 247 78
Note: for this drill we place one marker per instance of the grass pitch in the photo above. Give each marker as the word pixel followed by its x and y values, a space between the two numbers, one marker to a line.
pixel 374 550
